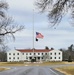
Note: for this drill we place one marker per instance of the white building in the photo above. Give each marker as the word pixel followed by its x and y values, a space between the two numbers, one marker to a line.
pixel 38 54
pixel 55 55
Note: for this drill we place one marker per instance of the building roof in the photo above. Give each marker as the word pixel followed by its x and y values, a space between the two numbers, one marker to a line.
pixel 35 50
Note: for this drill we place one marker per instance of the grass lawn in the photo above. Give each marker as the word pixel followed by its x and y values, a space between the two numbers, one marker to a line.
pixel 68 70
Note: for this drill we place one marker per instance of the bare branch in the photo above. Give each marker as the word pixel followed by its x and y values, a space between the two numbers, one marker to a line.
pixel 58 10
pixel 3 5
pixel 7 27
pixel 43 4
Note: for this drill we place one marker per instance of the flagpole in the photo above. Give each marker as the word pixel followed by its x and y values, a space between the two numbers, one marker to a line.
pixel 33 33
pixel 33 28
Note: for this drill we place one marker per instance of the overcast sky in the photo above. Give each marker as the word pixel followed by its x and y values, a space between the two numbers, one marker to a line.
pixel 22 13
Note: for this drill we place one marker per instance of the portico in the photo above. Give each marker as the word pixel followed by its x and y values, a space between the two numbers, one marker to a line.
pixel 36 58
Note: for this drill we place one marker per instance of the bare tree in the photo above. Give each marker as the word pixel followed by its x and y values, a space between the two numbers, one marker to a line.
pixel 3 54
pixel 56 9
pixel 3 6
pixel 7 26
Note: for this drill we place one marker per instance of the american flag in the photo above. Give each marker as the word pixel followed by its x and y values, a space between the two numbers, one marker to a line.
pixel 39 35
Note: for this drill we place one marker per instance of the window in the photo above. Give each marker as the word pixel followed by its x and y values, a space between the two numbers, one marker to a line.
pixel 34 53
pixel 17 57
pixel 26 57
pixel 38 57
pixel 9 57
pixel 17 53
pixel 50 53
pixel 54 57
pixel 30 53
pixel 59 53
pixel 22 53
pixel 50 57
pixel 45 53
pixel 59 57
pixel 13 53
pixel 9 53
pixel 30 57
pixel 42 57
pixel 42 53
pixel 38 53
pixel 55 53
pixel 26 53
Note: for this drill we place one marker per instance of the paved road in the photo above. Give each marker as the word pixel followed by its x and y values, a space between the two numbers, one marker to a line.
pixel 31 70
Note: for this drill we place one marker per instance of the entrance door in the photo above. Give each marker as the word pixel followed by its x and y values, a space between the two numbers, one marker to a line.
pixel 33 59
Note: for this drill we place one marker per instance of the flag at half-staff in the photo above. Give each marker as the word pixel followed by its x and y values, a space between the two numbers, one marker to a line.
pixel 39 35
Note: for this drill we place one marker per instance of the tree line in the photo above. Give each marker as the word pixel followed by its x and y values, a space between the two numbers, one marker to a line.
pixel 68 54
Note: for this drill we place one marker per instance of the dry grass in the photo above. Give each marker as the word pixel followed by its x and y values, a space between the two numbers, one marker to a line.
pixel 3 69
pixel 51 63
pixel 32 64
pixel 11 63
pixel 68 70
pixel 43 63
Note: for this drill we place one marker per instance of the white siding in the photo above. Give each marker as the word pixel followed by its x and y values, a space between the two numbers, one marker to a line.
pixel 55 55
pixel 23 56
pixel 13 55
